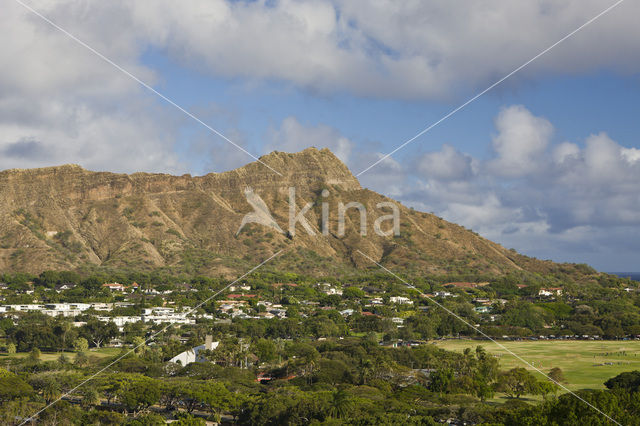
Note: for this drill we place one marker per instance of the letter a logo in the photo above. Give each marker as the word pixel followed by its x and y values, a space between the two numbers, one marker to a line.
pixel 260 214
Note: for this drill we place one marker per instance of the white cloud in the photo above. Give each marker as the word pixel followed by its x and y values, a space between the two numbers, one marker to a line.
pixel 292 136
pixel 565 151
pixel 631 155
pixel 521 140
pixel 59 103
pixel 490 212
pixel 388 176
pixel 408 49
pixel 447 164
pixel 569 201
pixel 386 49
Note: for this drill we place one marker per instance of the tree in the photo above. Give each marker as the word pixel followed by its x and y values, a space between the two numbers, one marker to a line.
pixel 216 397
pixel 138 393
pixel 62 330
pixel 525 314
pixel 48 279
pixel 213 396
pixel 13 387
pixel 139 345
pixel 486 371
pixel 98 332
pixel 353 293
pixel 80 345
pixel 306 358
pixel 51 391
pixel 265 350
pixel 557 375
pixel 35 330
pixel 629 381
pixel 341 404
pixel 35 354
pixel 149 419
pixel 188 420
pixel 516 382
pixel 482 389
pixel 487 365
pixel 170 394
pixel 611 327
pixel 332 371
pixel 11 348
pixel 90 397
pixel 569 410
pixel 99 417
pixel 81 359
pixel 440 380
pixel 545 387
pixel 63 359
pixel 13 411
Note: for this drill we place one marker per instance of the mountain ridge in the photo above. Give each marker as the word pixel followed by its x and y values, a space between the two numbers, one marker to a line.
pixel 66 217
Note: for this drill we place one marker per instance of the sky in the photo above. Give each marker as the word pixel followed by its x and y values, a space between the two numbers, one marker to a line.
pixel 547 162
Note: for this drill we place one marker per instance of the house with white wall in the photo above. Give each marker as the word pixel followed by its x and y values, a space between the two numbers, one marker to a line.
pixel 193 354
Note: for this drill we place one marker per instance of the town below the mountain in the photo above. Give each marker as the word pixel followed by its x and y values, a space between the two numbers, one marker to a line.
pixel 283 348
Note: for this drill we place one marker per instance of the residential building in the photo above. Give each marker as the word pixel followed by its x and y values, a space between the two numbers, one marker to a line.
pixel 551 291
pixel 193 354
pixel 114 286
pixel 400 300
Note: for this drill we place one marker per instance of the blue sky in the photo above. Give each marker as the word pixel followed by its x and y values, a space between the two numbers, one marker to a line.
pixel 547 162
pixel 578 106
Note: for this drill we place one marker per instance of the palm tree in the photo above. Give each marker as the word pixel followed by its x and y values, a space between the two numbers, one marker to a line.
pixel 51 391
pixel 341 404
pixel 90 397
pixel 366 370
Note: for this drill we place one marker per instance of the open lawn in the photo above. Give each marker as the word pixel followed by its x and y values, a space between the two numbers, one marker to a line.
pixel 52 356
pixel 586 364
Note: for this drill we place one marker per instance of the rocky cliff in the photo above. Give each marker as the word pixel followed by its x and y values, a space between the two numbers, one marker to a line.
pixel 66 217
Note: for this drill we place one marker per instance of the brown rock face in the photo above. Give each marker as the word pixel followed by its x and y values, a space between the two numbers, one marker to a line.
pixel 67 217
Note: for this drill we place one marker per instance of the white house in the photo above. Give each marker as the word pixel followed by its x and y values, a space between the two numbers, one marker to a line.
pixel 102 306
pixel 551 291
pixel 401 300
pixel 114 286
pixel 192 355
pixel 329 290
pixel 169 318
pixel 120 321
pixel 158 310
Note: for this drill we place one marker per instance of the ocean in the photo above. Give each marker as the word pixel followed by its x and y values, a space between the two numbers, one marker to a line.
pixel 633 275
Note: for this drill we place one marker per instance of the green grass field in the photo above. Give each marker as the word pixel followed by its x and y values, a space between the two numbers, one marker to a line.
pixel 582 361
pixel 52 356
